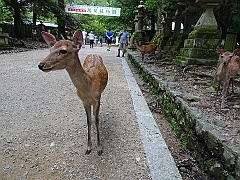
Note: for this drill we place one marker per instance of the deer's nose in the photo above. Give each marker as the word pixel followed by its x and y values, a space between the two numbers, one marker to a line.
pixel 40 66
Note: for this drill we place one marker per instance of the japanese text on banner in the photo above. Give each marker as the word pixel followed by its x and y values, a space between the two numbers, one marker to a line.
pixel 95 10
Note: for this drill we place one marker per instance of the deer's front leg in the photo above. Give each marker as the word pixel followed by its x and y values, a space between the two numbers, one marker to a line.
pixel 89 122
pixel 96 108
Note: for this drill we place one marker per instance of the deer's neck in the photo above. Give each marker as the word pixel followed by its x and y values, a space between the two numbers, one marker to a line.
pixel 77 74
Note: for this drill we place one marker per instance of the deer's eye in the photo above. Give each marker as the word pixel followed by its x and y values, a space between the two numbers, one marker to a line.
pixel 63 51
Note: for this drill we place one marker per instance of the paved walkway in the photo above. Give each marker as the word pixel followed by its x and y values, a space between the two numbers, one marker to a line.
pixel 43 125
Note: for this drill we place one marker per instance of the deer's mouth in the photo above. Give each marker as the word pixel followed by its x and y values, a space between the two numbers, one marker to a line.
pixel 44 69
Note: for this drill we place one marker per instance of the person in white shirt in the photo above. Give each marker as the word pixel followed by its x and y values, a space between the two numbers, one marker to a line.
pixel 84 34
pixel 91 39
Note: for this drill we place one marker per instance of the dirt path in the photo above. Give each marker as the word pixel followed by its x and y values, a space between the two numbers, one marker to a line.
pixel 43 124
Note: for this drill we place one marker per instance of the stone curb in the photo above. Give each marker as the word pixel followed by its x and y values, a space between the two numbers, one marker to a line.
pixel 160 160
pixel 218 159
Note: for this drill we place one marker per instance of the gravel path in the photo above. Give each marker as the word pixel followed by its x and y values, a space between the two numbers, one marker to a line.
pixel 43 124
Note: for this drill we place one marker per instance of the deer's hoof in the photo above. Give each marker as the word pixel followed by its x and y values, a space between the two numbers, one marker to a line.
pixel 88 152
pixel 100 152
pixel 40 66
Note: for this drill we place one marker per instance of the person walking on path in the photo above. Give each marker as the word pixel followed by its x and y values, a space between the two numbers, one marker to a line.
pixel 109 36
pixel 123 41
pixel 84 34
pixel 95 40
pixel 91 39
pixel 101 40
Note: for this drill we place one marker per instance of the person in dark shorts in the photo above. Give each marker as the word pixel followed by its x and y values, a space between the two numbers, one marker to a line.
pixel 91 39
pixel 101 40
pixel 123 41
pixel 109 36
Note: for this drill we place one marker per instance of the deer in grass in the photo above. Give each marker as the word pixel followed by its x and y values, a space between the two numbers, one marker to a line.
pixel 90 79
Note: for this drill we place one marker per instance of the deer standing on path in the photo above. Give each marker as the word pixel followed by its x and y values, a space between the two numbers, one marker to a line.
pixel 90 79
pixel 146 49
pixel 224 58
pixel 232 71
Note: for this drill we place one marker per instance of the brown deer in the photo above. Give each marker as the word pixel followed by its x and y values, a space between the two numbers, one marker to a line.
pixel 224 59
pixel 90 79
pixel 146 49
pixel 232 71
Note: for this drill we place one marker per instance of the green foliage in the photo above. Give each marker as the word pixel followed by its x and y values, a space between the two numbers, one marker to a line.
pixel 151 4
pixel 169 3
pixel 175 125
pixel 183 140
pixel 208 164
pixel 214 85
pixel 6 12
pixel 225 173
pixel 194 155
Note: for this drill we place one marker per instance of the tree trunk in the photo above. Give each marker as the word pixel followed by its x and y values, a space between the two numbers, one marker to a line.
pixel 17 21
pixel 153 20
pixel 61 21
pixel 34 19
pixel 225 18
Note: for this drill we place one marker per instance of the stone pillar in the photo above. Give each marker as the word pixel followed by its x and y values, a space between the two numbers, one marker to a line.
pixel 139 34
pixel 188 14
pixel 159 19
pixel 168 20
pixel 163 23
pixel 140 15
pixel 178 18
pixel 136 20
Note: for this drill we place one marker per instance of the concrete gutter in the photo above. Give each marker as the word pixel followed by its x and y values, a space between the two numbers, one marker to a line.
pixel 160 160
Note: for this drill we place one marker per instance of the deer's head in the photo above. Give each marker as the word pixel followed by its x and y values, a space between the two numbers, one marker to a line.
pixel 63 53
pixel 224 57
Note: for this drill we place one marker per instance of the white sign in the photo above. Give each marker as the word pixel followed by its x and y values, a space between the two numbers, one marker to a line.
pixel 95 10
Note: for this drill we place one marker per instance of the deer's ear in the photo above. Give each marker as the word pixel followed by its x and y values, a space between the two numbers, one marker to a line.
pixel 78 38
pixel 49 38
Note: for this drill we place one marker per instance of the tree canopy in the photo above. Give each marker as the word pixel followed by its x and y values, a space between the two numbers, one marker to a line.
pixel 20 12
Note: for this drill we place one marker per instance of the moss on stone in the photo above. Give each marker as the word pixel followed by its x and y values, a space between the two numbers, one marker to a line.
pixel 205 33
pixel 180 59
pixel 5 47
pixel 209 164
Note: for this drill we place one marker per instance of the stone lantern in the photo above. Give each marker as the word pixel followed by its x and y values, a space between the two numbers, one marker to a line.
pixel 139 34
pixel 136 20
pixel 207 24
pixel 200 47
pixel 3 38
pixel 178 18
pixel 207 19
pixel 140 15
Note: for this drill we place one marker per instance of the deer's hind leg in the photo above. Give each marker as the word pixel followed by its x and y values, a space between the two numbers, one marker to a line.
pixel 89 123
pixel 96 108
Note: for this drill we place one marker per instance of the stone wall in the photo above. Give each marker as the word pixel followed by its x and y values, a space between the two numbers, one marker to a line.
pixel 206 144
